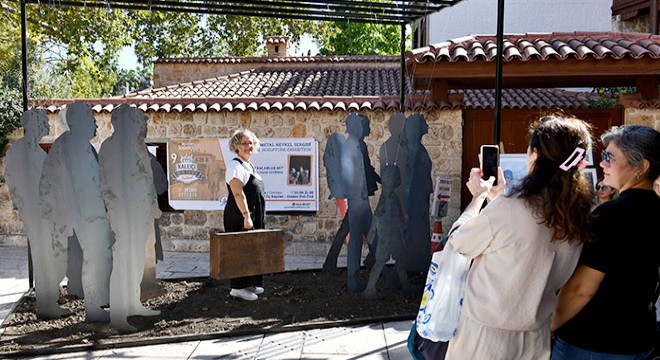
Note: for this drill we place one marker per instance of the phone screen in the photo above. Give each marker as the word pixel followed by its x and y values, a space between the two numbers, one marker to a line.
pixel 489 162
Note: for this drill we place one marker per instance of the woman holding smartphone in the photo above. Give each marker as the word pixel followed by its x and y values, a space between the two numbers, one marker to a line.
pixel 524 246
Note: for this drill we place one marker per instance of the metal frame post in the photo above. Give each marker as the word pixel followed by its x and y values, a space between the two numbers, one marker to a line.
pixel 24 71
pixel 24 54
pixel 403 67
pixel 498 70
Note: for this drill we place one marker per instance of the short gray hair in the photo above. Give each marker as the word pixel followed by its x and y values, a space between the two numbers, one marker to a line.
pixel 637 143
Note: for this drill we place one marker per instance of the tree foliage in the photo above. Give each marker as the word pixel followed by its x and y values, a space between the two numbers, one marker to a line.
pixel 346 38
pixel 10 112
pixel 78 47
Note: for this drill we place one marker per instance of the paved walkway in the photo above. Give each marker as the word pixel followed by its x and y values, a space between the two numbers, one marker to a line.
pixel 375 341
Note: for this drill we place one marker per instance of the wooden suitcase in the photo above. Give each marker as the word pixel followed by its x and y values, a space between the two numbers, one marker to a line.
pixel 246 253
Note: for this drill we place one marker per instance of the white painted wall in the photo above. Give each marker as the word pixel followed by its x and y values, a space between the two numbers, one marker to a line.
pixel 473 17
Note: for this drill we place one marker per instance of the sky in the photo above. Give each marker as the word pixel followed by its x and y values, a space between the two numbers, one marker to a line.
pixel 128 60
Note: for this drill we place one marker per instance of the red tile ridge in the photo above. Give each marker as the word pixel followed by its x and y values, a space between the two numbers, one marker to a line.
pixel 257 59
pixel 579 45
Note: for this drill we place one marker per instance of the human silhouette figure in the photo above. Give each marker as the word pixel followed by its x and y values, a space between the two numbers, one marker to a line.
pixel 149 287
pixel 392 153
pixel 388 223
pixel 347 178
pixel 130 196
pixel 71 203
pixel 417 193
pixel 74 252
pixel 23 168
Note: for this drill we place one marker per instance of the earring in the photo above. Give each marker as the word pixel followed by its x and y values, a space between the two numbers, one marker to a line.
pixel 637 177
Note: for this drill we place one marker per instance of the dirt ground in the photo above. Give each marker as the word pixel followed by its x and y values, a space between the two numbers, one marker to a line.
pixel 203 306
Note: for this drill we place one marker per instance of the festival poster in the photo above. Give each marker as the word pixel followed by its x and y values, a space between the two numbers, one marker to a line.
pixel 288 166
pixel 196 172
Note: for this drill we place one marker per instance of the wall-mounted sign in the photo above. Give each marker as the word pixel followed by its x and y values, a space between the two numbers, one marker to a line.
pixel 441 196
pixel 288 166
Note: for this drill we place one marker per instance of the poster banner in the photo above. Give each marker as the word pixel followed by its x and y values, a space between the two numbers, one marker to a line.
pixel 288 166
pixel 196 173
pixel 441 196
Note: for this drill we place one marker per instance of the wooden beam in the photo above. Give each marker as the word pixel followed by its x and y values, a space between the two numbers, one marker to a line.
pixel 540 69
pixel 647 87
pixel 439 90
pixel 653 13
pixel 549 73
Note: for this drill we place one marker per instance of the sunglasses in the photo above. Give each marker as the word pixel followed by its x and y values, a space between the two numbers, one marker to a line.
pixel 607 157
pixel 602 187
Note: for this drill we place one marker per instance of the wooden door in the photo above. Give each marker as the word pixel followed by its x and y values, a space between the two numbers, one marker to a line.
pixel 478 129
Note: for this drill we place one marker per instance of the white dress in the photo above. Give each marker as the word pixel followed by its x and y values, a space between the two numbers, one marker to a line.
pixel 512 285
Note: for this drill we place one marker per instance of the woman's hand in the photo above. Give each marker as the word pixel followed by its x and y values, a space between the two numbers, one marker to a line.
pixel 477 185
pixel 498 189
pixel 247 222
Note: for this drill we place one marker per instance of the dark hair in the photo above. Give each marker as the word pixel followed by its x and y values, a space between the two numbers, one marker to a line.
pixel 637 143
pixel 561 199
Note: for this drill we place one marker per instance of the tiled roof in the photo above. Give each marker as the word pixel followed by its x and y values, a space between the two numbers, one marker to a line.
pixel 473 98
pixel 289 59
pixel 277 40
pixel 264 82
pixel 542 46
pixel 525 99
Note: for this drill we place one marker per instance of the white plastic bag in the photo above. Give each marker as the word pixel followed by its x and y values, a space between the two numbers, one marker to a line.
pixel 443 295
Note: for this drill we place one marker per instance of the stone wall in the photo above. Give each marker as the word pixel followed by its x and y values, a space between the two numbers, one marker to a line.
pixel 646 117
pixel 305 233
pixel 639 24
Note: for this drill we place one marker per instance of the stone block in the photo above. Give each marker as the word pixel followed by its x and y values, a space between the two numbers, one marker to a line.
pixel 194 217
pixel 299 130
pixel 176 218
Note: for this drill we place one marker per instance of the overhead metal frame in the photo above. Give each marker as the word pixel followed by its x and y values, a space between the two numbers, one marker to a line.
pixel 393 12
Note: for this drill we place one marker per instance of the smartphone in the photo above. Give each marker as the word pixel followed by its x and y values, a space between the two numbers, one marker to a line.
pixel 490 161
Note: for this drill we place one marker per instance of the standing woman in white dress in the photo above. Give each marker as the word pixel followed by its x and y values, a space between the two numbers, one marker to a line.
pixel 525 246
pixel 246 206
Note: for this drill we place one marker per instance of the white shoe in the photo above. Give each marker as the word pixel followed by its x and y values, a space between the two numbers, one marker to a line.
pixel 255 289
pixel 243 294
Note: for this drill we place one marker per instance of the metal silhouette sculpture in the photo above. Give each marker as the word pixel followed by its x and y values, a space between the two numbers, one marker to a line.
pixel 388 223
pixel 74 252
pixel 392 153
pixel 25 160
pixel 417 192
pixel 71 203
pixel 347 170
pixel 130 197
pixel 149 287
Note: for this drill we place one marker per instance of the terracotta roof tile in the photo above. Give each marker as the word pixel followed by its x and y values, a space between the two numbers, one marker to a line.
pixel 264 82
pixel 524 98
pixel 277 39
pixel 535 46
pixel 473 98
pixel 287 59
